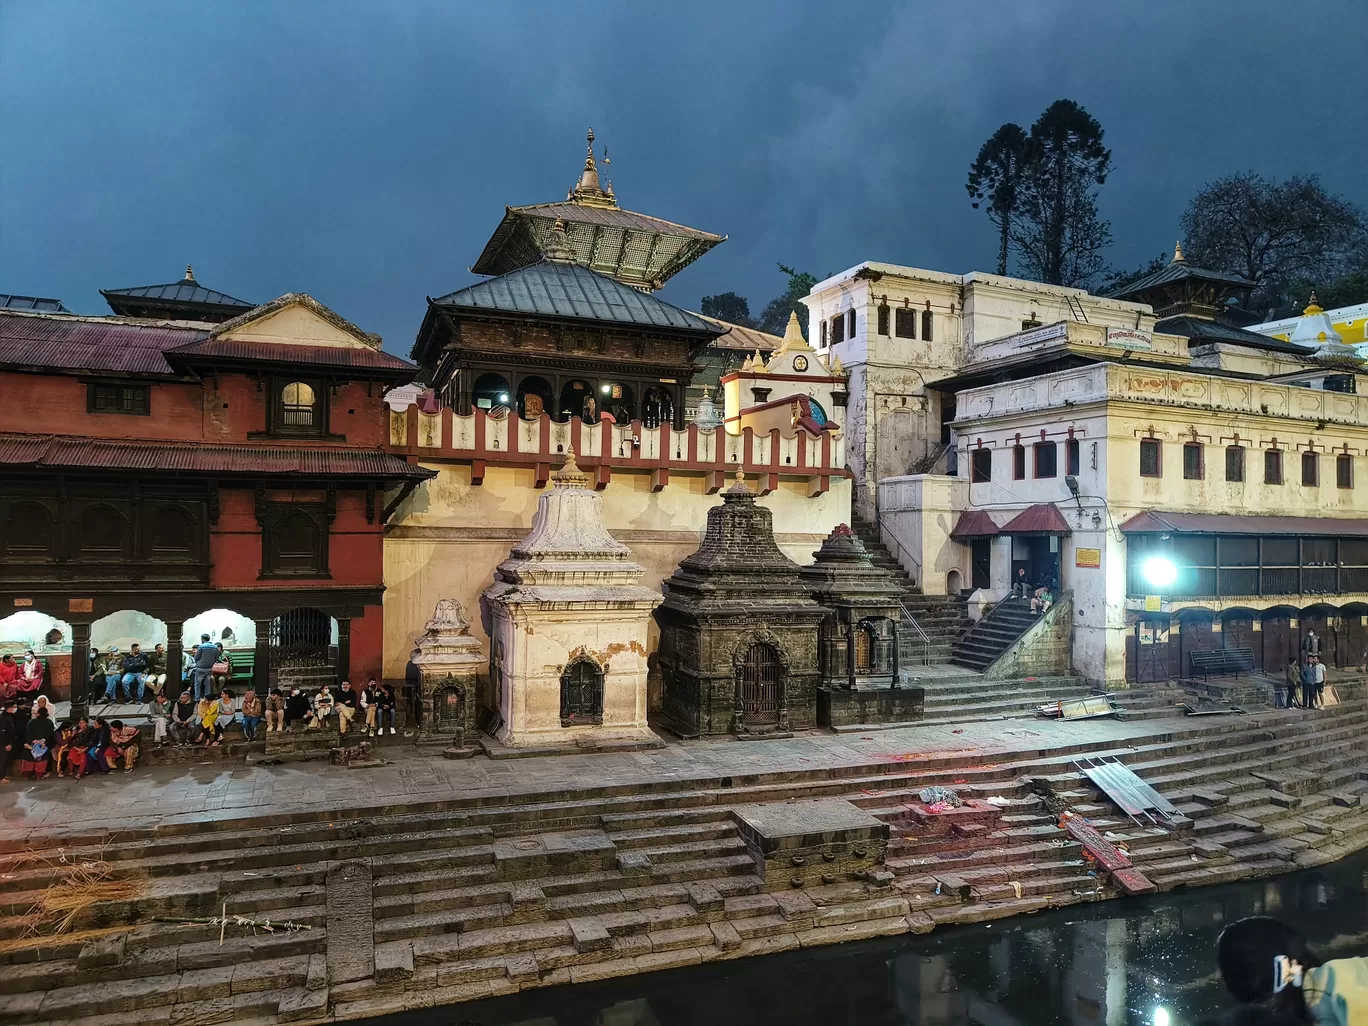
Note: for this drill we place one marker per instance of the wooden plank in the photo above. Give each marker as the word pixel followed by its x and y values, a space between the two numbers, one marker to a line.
pixel 1108 856
pixel 1132 881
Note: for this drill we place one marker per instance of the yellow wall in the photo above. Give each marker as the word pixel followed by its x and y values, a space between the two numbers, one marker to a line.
pixel 447 538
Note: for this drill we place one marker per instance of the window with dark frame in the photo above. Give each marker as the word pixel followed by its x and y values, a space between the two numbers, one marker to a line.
pixel 838 329
pixel 926 326
pixel 883 320
pixel 1310 470
pixel 1046 459
pixel 850 324
pixel 294 541
pixel 980 466
pixel 299 408
pixel 1071 457
pixel 905 323
pixel 1273 466
pixel 114 398
pixel 1192 461
pixel 1019 462
pixel 1235 459
pixel 1344 470
pixel 1150 465
pixel 824 334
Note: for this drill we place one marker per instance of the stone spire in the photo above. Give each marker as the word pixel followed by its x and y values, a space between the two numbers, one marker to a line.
pixel 557 248
pixel 793 338
pixel 706 415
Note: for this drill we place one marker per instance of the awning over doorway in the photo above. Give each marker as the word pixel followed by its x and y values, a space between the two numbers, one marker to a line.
pixel 1042 518
pixel 1161 522
pixel 974 523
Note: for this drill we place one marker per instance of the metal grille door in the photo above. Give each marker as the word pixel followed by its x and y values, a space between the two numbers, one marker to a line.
pixel 760 686
pixel 582 693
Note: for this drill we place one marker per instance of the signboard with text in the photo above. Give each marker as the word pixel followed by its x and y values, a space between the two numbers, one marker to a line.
pixel 1125 338
pixel 1089 559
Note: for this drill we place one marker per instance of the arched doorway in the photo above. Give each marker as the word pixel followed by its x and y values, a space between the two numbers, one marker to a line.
pixel 657 407
pixel 490 392
pixel 1353 635
pixel 1237 632
pixel 1195 634
pixel 761 686
pixel 619 401
pixel 577 400
pixel 114 636
pixel 1321 619
pixel 1281 637
pixel 581 692
pixel 50 641
pixel 534 397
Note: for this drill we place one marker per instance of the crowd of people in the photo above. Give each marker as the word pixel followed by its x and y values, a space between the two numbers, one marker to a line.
pixel 205 669
pixel 21 677
pixel 31 740
pixel 1303 684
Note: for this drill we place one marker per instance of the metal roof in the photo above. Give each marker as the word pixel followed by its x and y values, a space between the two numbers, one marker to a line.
pixel 1042 518
pixel 741 338
pixel 566 290
pixel 233 351
pixel 974 523
pixel 11 302
pixel 59 451
pixel 1162 522
pixel 1181 270
pixel 186 292
pixel 88 344
pixel 1199 329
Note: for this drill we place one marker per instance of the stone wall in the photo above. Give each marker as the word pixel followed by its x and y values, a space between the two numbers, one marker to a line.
pixel 1043 651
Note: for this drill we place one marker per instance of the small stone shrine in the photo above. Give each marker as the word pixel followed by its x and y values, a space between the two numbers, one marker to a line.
pixel 449 662
pixel 738 630
pixel 570 621
pixel 859 642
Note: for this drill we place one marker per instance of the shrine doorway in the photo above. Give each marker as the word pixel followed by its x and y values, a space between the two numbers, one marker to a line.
pixel 760 687
pixel 581 693
pixel 490 392
pixel 534 397
pixel 577 400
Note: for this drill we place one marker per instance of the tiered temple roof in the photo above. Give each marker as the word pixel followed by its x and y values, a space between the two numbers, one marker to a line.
pixel 184 300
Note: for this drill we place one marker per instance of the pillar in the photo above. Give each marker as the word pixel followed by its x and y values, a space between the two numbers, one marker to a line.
pixel 896 644
pixel 343 648
pixel 80 669
pixel 261 661
pixel 850 652
pixel 174 646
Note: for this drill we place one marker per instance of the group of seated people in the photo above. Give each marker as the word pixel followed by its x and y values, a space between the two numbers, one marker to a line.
pixel 367 709
pixel 205 669
pixel 21 677
pixel 31 738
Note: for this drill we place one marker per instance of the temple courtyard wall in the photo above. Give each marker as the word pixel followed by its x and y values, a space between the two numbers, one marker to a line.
pixel 446 539
pixel 427 882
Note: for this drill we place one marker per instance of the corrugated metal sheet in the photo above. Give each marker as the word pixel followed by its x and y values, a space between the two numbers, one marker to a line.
pixel 566 290
pixel 8 302
pixel 187 290
pixel 742 338
pixel 58 451
pixel 1161 522
pixel 1198 329
pixel 76 343
pixel 974 523
pixel 319 356
pixel 1042 518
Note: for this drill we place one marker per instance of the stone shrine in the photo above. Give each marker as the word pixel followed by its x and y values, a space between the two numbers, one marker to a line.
pixel 859 645
pixel 738 630
pixel 449 661
pixel 569 627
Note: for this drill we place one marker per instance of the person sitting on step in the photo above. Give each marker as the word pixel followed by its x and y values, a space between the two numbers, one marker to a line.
pixel 123 744
pixel 1042 600
pixel 323 706
pixel 297 708
pixel 275 711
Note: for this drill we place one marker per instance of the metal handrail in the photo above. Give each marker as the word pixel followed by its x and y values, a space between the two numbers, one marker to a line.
pixel 901 552
pixel 922 639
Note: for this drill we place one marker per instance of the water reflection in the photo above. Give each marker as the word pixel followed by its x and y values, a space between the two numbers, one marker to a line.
pixel 1127 963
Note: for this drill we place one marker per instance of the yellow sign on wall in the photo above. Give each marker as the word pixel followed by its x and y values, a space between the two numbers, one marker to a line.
pixel 1089 559
pixel 1153 604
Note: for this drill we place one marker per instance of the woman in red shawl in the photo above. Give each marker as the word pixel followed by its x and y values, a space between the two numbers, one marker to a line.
pixel 9 673
pixel 30 677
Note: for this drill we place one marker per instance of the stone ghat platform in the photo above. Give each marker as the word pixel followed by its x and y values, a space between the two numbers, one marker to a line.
pixel 441 900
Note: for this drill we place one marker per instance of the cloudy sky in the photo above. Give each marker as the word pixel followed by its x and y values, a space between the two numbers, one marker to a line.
pixel 363 151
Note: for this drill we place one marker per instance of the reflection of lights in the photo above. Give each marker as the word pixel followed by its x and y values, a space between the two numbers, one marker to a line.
pixel 1159 572
pixel 1161 1017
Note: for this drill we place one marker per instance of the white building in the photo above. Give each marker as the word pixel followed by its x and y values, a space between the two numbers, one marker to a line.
pixel 997 424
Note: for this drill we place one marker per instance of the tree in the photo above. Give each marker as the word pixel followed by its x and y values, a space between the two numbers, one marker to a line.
pixel 774 318
pixel 1117 279
pixel 1346 290
pixel 1058 229
pixel 728 306
pixel 1279 235
pixel 995 176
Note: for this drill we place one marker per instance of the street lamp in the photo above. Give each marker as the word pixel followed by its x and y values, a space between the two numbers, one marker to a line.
pixel 1159 571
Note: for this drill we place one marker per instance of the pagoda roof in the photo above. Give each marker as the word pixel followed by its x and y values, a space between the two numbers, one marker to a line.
pixel 636 249
pixel 569 291
pixel 186 296
pixel 1198 330
pixel 36 303
pixel 1181 271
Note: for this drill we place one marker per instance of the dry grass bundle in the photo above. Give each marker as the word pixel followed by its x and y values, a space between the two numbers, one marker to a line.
pixel 72 890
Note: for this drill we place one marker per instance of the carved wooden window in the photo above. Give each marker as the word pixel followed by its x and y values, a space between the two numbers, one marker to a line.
pixel 1235 463
pixel 581 693
pixel 1344 470
pixel 299 408
pixel 29 531
pixel 172 532
pixel 294 541
pixel 760 683
pixel 103 532
pixel 980 466
pixel 1192 461
pixel 1310 469
pixel 905 323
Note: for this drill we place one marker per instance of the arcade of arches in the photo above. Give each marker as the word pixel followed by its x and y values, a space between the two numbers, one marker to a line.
pixel 1159 646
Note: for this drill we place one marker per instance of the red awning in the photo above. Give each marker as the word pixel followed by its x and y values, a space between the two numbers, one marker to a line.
pixel 974 523
pixel 1042 518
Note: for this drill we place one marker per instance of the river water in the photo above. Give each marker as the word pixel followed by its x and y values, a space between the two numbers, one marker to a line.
pixel 1131 962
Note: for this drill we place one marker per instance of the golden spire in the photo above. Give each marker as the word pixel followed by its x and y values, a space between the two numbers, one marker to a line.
pixel 189 273
pixel 1178 257
pixel 570 475
pixel 589 191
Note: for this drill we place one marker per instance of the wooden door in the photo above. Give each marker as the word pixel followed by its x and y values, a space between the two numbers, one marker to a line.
pixel 1152 641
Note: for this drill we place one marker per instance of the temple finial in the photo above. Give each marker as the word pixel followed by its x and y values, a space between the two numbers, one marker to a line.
pixel 570 475
pixel 558 248
pixel 589 151
pixel 189 272
pixel 1178 257
pixel 1312 306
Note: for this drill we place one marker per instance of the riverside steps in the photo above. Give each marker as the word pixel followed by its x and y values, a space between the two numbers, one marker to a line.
pixel 485 877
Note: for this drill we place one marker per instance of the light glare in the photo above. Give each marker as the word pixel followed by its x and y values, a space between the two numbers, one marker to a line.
pixel 1159 572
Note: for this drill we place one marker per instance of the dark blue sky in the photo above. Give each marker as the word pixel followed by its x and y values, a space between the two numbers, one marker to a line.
pixel 363 151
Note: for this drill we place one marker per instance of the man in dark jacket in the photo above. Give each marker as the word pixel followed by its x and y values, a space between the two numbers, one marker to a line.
pixel 133 670
pixel 183 725
pixel 296 707
pixel 9 738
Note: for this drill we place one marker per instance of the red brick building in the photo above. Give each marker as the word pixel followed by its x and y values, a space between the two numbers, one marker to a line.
pixel 202 454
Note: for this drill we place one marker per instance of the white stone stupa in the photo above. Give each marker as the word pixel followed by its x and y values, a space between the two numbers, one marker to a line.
pixel 569 627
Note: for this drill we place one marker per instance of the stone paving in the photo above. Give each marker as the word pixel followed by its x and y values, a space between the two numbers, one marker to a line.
pixel 174 794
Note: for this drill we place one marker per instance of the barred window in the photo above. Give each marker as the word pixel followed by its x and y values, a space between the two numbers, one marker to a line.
pixel 1192 461
pixel 1235 456
pixel 1273 466
pixel 1046 459
pixel 883 319
pixel 1019 462
pixel 1310 470
pixel 981 466
pixel 1149 457
pixel 838 329
pixel 926 326
pixel 1344 470
pixel 905 323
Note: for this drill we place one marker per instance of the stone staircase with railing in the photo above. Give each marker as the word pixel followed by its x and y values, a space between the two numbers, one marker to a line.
pixel 980 646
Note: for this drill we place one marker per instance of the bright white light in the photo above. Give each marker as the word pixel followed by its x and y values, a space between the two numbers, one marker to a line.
pixel 606 389
pixel 503 397
pixel 1161 1015
pixel 1161 573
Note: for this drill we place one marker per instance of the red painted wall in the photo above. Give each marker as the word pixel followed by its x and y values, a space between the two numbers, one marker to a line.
pixel 367 643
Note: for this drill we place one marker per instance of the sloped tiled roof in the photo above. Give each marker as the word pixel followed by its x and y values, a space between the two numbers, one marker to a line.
pixel 57 342
pixel 741 338
pixel 974 523
pixel 220 350
pixel 38 303
pixel 1042 518
pixel 571 292
pixel 187 291
pixel 59 451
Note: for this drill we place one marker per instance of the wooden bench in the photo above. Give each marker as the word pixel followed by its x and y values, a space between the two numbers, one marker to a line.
pixel 1221 662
